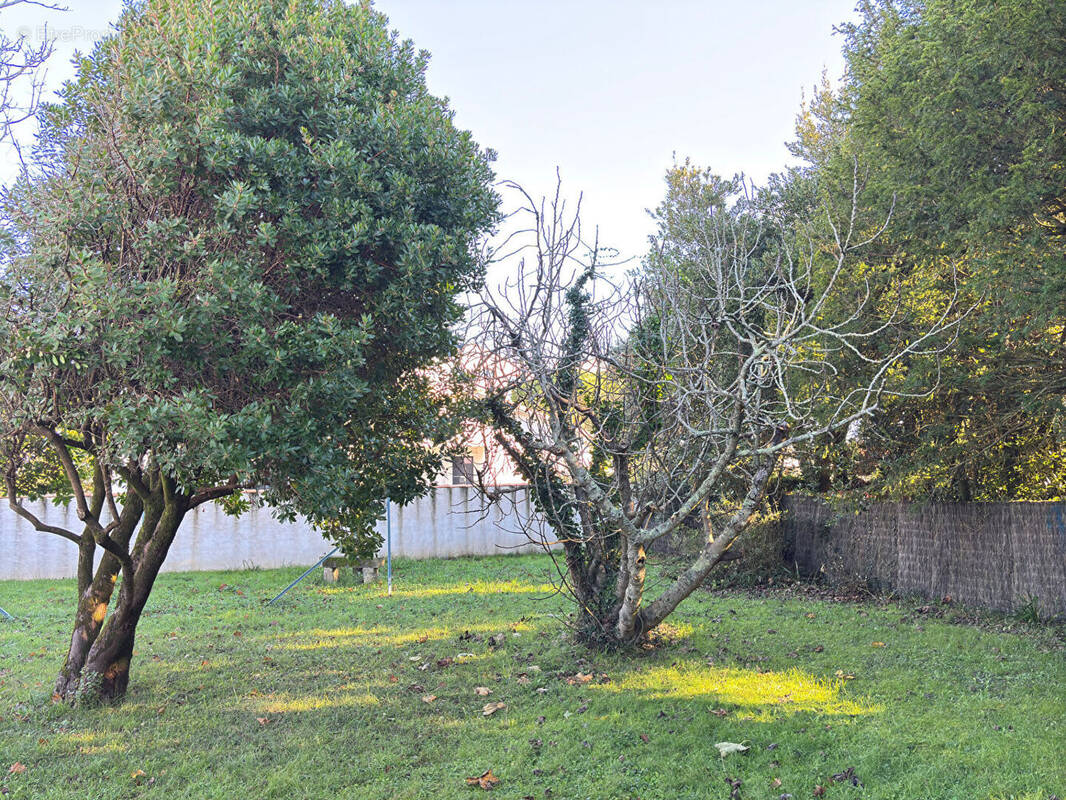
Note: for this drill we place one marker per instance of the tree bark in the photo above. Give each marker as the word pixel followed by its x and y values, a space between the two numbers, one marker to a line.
pixel 105 672
pixel 628 614
pixel 712 552
pixel 86 622
pixel 93 599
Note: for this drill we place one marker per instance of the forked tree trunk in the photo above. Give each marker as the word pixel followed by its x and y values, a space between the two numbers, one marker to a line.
pixel 629 620
pixel 94 595
pixel 98 664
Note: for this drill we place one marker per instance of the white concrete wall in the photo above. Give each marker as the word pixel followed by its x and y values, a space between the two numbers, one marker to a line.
pixel 450 521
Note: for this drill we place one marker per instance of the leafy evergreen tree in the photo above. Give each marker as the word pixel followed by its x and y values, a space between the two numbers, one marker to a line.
pixel 955 111
pixel 242 239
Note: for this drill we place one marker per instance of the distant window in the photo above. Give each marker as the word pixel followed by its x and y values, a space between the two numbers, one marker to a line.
pixel 463 470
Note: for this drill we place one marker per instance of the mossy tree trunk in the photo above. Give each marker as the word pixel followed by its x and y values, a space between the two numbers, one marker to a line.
pixel 98 666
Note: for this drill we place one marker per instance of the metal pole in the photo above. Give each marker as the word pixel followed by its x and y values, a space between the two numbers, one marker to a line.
pixel 309 571
pixel 388 539
pixel 6 614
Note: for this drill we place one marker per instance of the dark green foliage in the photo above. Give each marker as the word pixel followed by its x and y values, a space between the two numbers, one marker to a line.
pixel 961 105
pixel 955 112
pixel 233 263
pixel 245 232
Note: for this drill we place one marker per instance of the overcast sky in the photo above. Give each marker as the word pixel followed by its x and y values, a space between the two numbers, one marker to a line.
pixel 606 90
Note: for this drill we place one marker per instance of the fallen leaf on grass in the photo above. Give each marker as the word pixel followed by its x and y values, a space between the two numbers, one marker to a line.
pixel 393 679
pixel 482 691
pixel 17 768
pixel 138 775
pixel 719 712
pixel 848 776
pixel 489 709
pixel 775 783
pixel 579 678
pixel 734 787
pixel 877 644
pixel 845 675
pixel 727 748
pixel 644 738
pixel 444 662
pixel 428 698
pixel 819 790
pixel 486 780
pixel 263 720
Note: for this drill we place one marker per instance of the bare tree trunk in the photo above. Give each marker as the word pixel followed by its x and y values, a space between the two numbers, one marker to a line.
pixel 628 613
pixel 712 552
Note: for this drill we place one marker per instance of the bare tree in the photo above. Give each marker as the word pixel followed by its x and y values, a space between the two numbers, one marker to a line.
pixel 21 72
pixel 670 397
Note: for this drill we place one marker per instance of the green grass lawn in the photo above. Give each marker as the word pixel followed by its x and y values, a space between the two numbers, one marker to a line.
pixel 342 692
